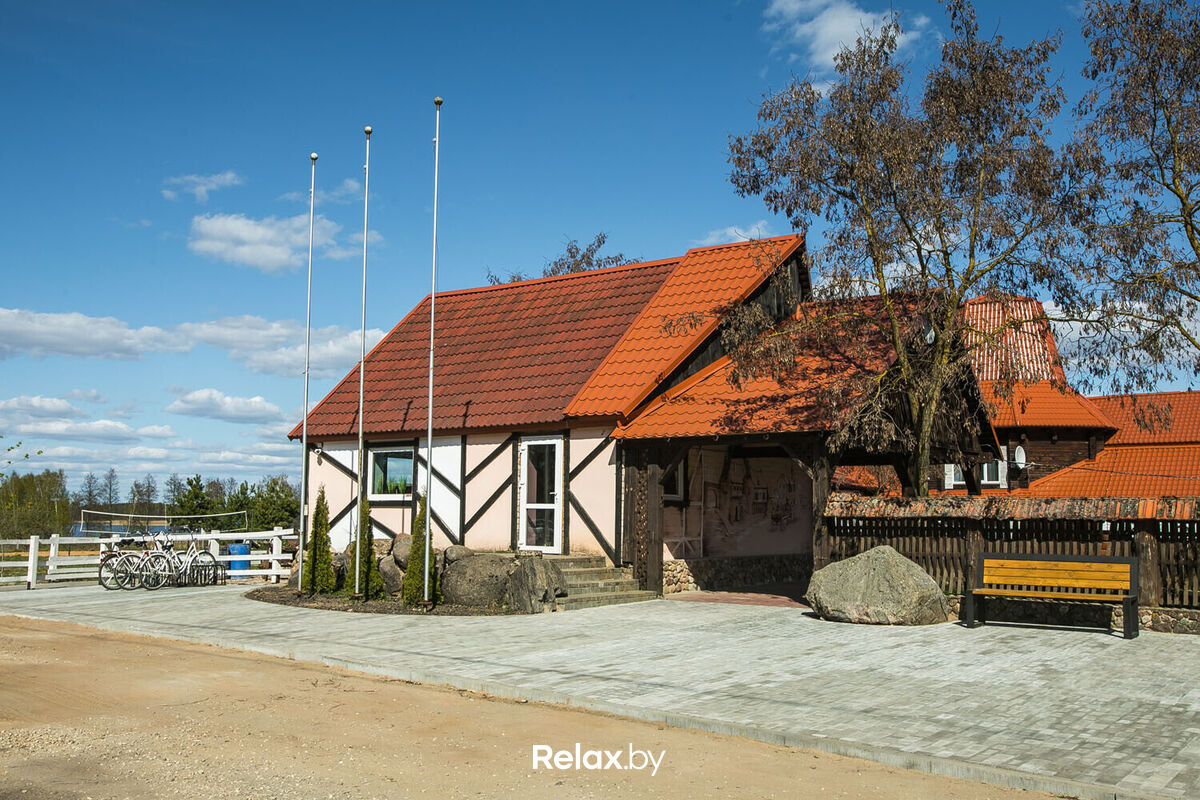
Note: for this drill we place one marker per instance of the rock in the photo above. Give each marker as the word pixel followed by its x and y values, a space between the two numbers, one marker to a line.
pixel 533 585
pixel 381 547
pixel 341 566
pixel 392 575
pixel 477 580
pixel 879 587
pixel 456 551
pixel 400 547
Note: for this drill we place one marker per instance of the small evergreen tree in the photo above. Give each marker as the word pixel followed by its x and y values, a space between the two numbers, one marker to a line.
pixel 319 579
pixel 413 588
pixel 370 582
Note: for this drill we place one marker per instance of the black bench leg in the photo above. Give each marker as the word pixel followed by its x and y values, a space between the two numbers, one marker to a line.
pixel 1130 615
pixel 971 607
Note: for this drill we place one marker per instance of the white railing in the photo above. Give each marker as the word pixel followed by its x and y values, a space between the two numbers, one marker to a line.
pixel 22 560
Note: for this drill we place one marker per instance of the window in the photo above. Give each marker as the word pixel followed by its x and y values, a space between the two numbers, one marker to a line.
pixel 992 474
pixel 673 485
pixel 392 474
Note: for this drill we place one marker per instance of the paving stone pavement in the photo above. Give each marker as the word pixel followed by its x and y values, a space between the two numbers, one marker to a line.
pixel 1078 712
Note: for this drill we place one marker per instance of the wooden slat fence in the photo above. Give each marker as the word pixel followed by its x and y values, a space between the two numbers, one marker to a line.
pixel 939 545
pixel 942 545
pixel 1179 562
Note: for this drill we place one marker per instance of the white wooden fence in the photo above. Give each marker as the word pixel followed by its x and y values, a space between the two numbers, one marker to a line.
pixel 22 560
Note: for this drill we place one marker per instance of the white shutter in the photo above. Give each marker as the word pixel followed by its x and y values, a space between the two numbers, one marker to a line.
pixel 1002 470
pixel 948 476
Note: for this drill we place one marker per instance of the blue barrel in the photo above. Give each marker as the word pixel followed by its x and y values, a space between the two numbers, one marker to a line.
pixel 239 550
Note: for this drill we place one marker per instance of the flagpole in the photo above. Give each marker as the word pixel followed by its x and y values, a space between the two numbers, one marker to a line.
pixel 312 195
pixel 362 362
pixel 437 132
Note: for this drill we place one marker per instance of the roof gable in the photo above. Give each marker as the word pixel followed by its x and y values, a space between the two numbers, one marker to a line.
pixel 505 356
pixel 1011 337
pixel 706 281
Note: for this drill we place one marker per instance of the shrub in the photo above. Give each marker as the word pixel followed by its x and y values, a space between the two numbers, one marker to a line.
pixel 370 582
pixel 319 579
pixel 413 588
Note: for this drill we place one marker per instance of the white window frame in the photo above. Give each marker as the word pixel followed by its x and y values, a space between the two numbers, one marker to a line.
pixel 953 477
pixel 382 451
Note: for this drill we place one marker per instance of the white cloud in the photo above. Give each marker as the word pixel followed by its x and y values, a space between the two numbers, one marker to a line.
pixel 215 404
pixel 100 430
pixel 276 347
pixel 332 352
pixel 152 453
pixel 270 244
pixel 26 406
pixel 29 333
pixel 245 459
pixel 276 431
pixel 345 192
pixel 733 233
pixel 200 185
pixel 86 395
pixel 820 28
pixel 338 252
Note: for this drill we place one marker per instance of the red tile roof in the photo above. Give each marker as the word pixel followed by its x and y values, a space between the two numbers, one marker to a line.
pixel 1183 408
pixel 1010 336
pixel 815 396
pixel 1043 405
pixel 506 355
pixel 707 281
pixel 1127 471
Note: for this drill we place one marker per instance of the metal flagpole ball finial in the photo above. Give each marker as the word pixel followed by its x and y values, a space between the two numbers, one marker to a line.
pixel 367 130
pixel 437 101
pixel 313 156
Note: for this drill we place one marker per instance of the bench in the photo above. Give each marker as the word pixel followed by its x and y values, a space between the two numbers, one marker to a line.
pixel 1097 579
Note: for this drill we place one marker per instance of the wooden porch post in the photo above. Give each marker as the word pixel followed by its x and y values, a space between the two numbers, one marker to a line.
pixel 654 530
pixel 1145 544
pixel 822 472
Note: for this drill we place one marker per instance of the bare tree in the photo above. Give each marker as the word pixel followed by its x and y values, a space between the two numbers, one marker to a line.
pixel 931 197
pixel 1141 140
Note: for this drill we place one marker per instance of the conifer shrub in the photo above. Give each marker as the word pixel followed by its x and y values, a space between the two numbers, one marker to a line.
pixel 370 582
pixel 319 579
pixel 413 588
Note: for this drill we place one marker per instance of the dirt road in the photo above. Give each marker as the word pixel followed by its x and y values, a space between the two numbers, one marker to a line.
pixel 90 714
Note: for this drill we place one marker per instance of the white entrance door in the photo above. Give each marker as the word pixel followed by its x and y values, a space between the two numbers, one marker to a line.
pixel 539 485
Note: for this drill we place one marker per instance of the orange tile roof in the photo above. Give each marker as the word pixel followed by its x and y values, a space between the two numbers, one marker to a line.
pixel 1011 336
pixel 706 282
pixel 871 479
pixel 1043 405
pixel 1183 407
pixel 706 404
pixel 505 356
pixel 1127 471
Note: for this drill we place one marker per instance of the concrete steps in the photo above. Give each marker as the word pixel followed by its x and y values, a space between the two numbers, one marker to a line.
pixel 591 583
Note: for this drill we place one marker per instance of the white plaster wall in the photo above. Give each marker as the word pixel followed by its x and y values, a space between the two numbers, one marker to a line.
pixel 340 489
pixel 595 489
pixel 493 531
pixel 447 461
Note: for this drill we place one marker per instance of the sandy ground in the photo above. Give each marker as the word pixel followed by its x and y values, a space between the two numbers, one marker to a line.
pixel 90 714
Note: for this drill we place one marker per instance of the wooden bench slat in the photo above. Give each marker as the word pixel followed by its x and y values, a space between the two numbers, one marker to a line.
pixel 1049 563
pixel 1038 580
pixel 1078 574
pixel 1116 598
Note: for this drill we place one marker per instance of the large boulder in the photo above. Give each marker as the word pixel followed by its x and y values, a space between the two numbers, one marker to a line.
pixel 477 580
pixel 533 585
pixel 400 548
pixel 878 587
pixel 392 575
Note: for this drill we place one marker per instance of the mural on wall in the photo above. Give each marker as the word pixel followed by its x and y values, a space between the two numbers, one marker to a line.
pixel 739 505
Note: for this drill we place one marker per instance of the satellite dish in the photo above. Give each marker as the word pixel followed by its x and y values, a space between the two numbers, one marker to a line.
pixel 1019 457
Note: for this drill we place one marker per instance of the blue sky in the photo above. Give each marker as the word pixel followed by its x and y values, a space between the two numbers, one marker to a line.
pixel 155 163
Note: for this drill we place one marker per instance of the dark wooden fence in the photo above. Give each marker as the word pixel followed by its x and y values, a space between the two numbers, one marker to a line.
pixel 944 547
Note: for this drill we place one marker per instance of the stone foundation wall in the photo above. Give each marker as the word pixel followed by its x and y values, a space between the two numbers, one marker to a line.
pixel 1094 615
pixel 734 572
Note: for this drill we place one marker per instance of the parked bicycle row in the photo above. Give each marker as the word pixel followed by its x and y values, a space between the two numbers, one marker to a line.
pixel 158 565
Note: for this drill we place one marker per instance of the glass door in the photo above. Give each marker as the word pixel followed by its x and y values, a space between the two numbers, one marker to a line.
pixel 539 485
